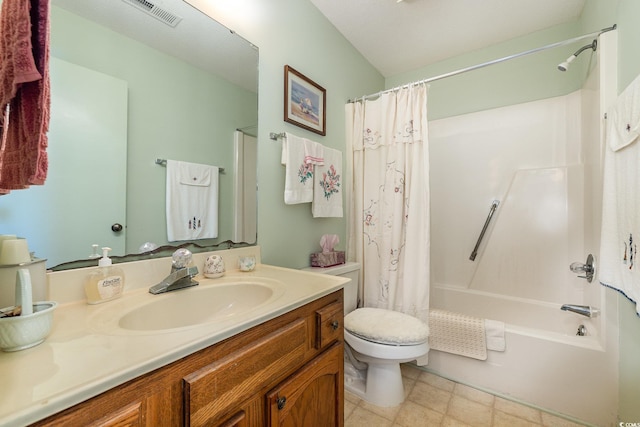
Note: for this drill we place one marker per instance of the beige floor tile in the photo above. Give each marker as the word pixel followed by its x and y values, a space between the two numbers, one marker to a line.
pixel 473 394
pixel 362 418
pixel 470 412
pixel 436 401
pixel 348 408
pixel 452 422
pixel 413 415
pixel 500 419
pixel 410 371
pixel 550 420
pixel 350 397
pixel 388 412
pixel 432 397
pixel 518 409
pixel 436 381
pixel 408 384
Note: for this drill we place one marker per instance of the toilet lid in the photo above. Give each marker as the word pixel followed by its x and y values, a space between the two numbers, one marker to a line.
pixel 386 326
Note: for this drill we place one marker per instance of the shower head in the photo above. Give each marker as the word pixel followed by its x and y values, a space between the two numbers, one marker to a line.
pixel 564 66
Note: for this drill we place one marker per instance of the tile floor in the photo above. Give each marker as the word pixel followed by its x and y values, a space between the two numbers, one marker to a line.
pixel 435 401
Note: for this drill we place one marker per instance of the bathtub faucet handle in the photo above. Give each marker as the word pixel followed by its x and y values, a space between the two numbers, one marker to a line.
pixel 588 268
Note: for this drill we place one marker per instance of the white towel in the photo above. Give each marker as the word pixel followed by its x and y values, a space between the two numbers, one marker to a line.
pixel 623 121
pixel 619 268
pixel 298 175
pixel 327 186
pixel 192 201
pixel 313 152
pixel 494 332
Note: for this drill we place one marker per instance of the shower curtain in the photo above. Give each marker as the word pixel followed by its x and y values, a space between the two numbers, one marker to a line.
pixel 388 217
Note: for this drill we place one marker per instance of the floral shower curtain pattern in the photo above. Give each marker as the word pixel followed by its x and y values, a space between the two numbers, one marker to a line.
pixel 388 225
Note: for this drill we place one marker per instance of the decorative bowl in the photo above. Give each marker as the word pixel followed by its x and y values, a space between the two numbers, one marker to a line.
pixel 22 332
pixel 247 263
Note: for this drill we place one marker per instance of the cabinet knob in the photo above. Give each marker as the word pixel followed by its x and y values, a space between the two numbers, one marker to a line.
pixel 116 228
pixel 335 325
pixel 281 402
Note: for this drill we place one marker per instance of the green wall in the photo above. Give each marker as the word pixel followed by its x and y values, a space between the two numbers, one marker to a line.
pixel 519 80
pixel 295 33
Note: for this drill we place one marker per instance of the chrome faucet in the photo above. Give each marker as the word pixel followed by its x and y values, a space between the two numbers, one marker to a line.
pixel 181 274
pixel 588 268
pixel 584 310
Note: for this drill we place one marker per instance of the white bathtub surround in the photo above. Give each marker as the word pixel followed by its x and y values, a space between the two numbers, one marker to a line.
pixel 388 152
pixel 619 265
pixel 543 161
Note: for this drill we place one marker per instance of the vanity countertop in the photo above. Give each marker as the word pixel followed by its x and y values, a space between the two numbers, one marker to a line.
pixel 85 356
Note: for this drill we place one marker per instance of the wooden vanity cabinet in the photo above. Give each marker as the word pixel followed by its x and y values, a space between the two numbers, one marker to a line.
pixel 285 372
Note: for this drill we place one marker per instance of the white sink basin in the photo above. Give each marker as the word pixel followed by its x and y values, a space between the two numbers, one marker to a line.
pixel 215 301
pixel 201 305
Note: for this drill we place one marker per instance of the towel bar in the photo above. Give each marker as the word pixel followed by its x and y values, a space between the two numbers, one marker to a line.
pixel 163 162
pixel 275 136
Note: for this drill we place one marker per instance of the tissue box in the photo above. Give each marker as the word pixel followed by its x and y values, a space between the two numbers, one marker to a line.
pixel 327 259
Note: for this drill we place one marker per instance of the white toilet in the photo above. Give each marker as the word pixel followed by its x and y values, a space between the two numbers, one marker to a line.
pixel 377 341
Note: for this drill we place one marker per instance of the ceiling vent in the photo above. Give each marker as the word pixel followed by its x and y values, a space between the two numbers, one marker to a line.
pixel 169 18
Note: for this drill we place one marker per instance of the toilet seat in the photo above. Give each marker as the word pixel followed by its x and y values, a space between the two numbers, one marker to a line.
pixel 365 350
pixel 386 327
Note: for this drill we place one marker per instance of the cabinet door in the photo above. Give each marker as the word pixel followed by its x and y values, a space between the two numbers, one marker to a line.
pixel 217 389
pixel 313 396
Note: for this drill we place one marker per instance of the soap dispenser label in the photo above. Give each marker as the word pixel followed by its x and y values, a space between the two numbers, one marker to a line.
pixel 109 286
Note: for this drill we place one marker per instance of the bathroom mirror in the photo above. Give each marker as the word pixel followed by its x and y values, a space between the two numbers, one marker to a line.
pixel 150 80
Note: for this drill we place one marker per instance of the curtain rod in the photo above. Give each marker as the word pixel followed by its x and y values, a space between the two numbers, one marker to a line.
pixel 485 64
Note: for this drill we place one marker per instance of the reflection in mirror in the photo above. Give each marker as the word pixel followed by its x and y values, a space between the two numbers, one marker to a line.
pixel 129 87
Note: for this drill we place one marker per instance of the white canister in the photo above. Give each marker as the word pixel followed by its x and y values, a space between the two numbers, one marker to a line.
pixel 14 251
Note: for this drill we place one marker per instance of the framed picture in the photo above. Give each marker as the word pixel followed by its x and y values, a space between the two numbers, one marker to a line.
pixel 304 102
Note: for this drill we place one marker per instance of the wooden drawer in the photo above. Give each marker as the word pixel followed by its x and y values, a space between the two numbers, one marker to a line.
pixel 214 389
pixel 329 321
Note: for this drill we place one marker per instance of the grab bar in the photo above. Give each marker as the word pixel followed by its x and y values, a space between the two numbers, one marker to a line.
pixel 494 206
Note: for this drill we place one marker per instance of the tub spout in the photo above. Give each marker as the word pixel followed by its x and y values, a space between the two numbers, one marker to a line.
pixel 584 310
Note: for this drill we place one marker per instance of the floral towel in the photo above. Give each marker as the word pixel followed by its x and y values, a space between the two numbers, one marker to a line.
pixel 327 186
pixel 298 175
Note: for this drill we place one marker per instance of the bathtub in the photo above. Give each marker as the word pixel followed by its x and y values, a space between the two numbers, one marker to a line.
pixel 545 363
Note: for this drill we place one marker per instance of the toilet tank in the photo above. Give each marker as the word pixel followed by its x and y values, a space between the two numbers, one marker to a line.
pixel 350 270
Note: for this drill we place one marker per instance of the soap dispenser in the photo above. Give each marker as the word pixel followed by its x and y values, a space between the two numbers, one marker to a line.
pixel 105 282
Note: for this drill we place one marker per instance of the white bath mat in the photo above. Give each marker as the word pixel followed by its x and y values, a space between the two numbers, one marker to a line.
pixel 457 333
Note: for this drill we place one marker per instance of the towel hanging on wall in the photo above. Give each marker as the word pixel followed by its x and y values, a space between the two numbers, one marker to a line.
pixel 25 86
pixel 327 186
pixel 191 201
pixel 298 175
pixel 619 267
